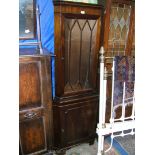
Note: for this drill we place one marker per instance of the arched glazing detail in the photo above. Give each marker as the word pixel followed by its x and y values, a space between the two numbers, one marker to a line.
pixel 80 40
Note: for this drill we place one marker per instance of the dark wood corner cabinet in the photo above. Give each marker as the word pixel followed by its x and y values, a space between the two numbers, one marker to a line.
pixel 35 117
pixel 77 43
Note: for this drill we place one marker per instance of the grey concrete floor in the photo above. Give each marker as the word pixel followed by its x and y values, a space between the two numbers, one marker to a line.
pixel 127 142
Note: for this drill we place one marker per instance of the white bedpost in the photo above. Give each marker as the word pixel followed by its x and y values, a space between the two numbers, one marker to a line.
pixel 102 105
pixel 116 124
pixel 112 92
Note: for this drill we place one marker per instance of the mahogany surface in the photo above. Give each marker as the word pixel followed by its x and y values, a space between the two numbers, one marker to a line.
pixel 77 43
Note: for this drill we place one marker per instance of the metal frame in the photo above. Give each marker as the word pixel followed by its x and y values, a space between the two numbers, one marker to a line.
pixel 116 125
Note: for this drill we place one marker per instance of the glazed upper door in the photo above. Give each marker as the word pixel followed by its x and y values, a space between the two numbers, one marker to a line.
pixel 80 57
pixel 34 104
pixel 119 27
pixel 76 62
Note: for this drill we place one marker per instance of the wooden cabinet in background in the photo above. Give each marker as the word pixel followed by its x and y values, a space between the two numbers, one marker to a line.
pixel 77 43
pixel 35 105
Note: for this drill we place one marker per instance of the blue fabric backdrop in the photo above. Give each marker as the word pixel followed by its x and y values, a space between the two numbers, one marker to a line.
pixel 47 32
pixel 47 24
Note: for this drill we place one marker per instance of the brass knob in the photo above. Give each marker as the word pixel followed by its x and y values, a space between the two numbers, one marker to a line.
pixel 30 115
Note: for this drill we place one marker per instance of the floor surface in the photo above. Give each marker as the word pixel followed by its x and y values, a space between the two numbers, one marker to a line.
pixel 127 142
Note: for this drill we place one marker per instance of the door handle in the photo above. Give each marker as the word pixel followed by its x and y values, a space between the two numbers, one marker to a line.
pixel 30 115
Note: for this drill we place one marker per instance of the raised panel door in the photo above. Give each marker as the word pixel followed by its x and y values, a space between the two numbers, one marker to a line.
pixel 77 122
pixel 81 127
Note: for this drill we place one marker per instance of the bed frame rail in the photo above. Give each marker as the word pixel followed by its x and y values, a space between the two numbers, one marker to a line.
pixel 122 124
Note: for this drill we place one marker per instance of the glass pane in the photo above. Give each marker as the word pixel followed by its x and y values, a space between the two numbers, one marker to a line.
pixel 119 27
pixel 27 19
pixel 80 47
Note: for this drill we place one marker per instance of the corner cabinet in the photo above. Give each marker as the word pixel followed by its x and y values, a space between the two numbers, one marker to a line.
pixel 77 43
pixel 35 116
